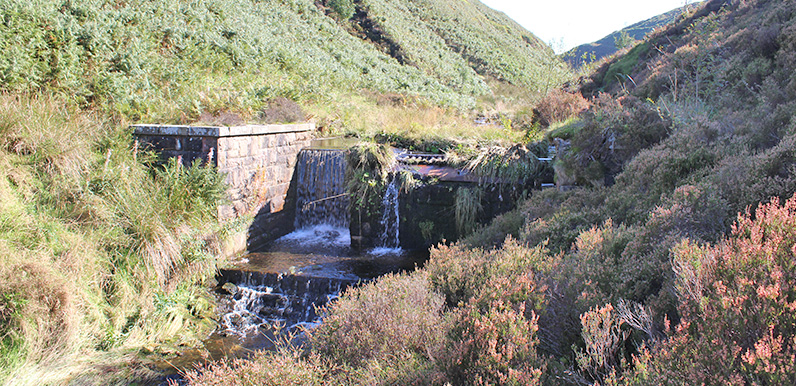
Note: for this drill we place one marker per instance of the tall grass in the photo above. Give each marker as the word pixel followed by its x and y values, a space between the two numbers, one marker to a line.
pixel 97 251
pixel 467 207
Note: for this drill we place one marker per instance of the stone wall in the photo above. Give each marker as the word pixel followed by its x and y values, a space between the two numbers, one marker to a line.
pixel 428 211
pixel 259 161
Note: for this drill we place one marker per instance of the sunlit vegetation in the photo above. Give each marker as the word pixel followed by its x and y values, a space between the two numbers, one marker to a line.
pixel 666 257
pixel 102 249
pixel 107 251
pixel 669 262
pixel 167 61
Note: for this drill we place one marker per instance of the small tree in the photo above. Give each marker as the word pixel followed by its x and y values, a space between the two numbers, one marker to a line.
pixel 343 8
pixel 623 40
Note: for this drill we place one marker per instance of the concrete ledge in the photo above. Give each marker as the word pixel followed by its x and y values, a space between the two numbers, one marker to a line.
pixel 220 131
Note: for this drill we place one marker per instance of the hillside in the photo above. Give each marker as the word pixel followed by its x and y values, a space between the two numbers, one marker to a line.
pixel 164 61
pixel 667 258
pixel 607 46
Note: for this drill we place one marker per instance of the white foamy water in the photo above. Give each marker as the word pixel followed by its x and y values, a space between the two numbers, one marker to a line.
pixel 386 251
pixel 323 234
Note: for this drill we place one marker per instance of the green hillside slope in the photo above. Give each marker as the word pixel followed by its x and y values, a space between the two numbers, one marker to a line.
pixel 167 60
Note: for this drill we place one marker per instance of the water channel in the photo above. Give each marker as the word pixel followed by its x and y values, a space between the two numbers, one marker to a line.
pixel 284 287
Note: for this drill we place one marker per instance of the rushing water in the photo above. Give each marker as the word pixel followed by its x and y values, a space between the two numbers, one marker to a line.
pixel 263 302
pixel 321 191
pixel 389 241
pixel 286 285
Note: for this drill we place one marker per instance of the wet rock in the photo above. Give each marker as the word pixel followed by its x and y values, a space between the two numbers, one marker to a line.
pixel 229 289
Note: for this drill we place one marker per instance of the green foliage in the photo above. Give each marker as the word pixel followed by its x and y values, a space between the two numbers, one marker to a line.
pixel 426 230
pixel 496 165
pixel 467 206
pixel 623 40
pixel 193 191
pixel 367 170
pixel 11 343
pixel 97 251
pixel 167 61
pixel 495 232
pixel 619 71
pixel 343 8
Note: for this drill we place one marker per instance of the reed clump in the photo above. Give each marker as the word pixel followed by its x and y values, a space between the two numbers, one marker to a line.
pixel 99 252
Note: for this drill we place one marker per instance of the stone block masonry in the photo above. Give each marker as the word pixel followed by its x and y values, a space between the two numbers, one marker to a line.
pixel 258 160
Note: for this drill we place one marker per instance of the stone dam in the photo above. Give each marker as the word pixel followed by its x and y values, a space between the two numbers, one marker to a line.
pixel 275 175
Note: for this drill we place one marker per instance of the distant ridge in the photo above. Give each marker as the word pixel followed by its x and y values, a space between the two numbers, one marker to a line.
pixel 607 45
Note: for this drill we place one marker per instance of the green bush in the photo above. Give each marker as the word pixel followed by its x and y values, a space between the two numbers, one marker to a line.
pixel 460 273
pixel 343 8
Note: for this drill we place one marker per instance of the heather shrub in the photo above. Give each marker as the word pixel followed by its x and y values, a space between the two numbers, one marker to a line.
pixel 747 179
pixel 621 262
pixel 696 212
pixel 394 318
pixel 613 132
pixel 460 273
pixel 457 272
pixel 286 366
pixel 558 106
pixel 559 230
pixel 495 345
pixel 556 218
pixel 735 301
pixel 650 175
pixel 603 338
pixel 596 265
pixel 495 335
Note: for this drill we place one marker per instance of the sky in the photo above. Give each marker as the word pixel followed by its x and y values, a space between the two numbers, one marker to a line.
pixel 564 24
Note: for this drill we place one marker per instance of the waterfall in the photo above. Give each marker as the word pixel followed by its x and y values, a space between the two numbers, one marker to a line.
pixel 390 218
pixel 260 300
pixel 321 190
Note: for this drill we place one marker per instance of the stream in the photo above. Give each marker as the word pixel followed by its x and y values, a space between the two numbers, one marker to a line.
pixel 280 291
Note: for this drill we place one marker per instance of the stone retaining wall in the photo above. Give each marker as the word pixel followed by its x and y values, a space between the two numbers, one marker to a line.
pixel 259 161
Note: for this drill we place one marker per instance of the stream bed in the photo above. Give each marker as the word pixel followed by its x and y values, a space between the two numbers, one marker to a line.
pixel 278 292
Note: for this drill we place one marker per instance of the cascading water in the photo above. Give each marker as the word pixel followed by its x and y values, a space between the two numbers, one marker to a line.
pixel 260 301
pixel 321 189
pixel 286 295
pixel 390 219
